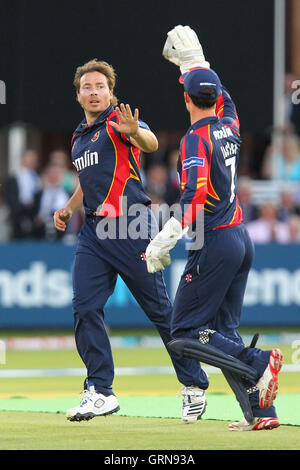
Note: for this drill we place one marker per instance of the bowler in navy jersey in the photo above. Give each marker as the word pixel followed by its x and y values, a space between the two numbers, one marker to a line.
pixel 105 153
pixel 108 165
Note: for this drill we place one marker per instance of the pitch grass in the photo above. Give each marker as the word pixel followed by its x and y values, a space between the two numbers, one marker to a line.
pixel 123 385
pixel 47 431
pixel 123 357
pixel 43 431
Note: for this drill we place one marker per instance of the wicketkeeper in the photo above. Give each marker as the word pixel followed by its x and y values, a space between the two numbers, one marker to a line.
pixel 208 303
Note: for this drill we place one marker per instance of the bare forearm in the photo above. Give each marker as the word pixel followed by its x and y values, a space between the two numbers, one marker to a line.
pixel 145 140
pixel 75 202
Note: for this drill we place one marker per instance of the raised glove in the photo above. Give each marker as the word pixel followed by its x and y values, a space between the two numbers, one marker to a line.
pixel 157 252
pixel 183 49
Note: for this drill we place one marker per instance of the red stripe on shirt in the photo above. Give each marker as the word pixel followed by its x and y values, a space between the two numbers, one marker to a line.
pixel 112 205
pixel 237 218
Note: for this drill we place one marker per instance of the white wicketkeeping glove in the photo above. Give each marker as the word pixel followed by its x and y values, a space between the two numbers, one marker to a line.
pixel 183 49
pixel 157 252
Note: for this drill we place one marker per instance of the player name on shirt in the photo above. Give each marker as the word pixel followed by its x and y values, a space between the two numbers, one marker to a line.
pixel 88 159
pixel 229 149
pixel 222 133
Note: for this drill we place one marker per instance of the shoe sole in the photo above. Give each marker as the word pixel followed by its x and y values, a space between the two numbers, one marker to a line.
pixel 268 384
pixel 88 416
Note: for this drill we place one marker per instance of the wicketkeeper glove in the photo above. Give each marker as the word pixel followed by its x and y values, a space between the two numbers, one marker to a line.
pixel 157 252
pixel 183 49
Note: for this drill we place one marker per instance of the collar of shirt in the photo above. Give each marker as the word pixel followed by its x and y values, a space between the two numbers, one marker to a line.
pixel 202 122
pixel 84 128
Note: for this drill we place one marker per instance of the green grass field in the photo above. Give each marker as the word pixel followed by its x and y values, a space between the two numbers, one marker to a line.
pixel 32 408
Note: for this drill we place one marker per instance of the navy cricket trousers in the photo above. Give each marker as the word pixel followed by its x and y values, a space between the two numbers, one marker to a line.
pixel 98 262
pixel 211 290
pixel 210 294
pixel 210 297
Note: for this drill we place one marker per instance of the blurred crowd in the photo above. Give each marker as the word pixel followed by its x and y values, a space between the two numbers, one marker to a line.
pixel 271 221
pixel 32 195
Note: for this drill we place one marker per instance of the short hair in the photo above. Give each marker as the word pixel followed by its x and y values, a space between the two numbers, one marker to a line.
pixel 204 103
pixel 103 67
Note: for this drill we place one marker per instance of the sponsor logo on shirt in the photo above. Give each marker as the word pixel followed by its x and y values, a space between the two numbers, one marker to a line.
pixel 88 159
pixel 192 161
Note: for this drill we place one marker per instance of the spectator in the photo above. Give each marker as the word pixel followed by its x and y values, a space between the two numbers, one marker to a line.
pixel 61 159
pixel 52 197
pixel 21 196
pixel 297 197
pixel 157 179
pixel 293 224
pixel 245 200
pixel 173 184
pixel 287 206
pixel 283 164
pixel 291 232
pixel 266 228
pixel 160 209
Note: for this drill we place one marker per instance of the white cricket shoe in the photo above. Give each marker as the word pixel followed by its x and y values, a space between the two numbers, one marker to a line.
pixel 258 424
pixel 193 404
pixel 93 404
pixel 268 383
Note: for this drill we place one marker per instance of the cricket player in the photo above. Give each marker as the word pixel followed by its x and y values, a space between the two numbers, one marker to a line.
pixel 105 152
pixel 209 299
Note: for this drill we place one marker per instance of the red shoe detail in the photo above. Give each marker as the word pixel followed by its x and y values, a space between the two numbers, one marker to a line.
pixel 266 423
pixel 268 383
pixel 258 424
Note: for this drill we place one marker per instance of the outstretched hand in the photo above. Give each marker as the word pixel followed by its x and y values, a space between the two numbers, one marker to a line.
pixel 128 123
